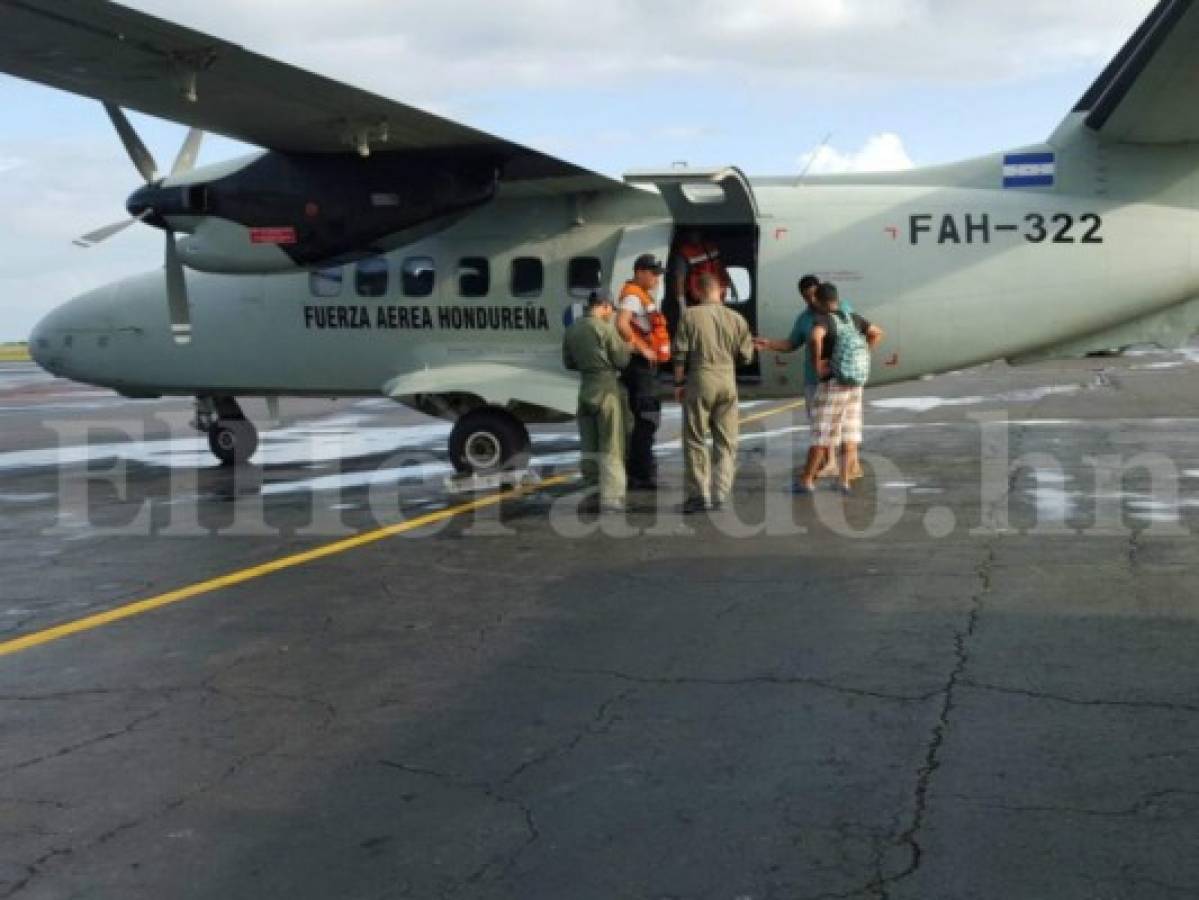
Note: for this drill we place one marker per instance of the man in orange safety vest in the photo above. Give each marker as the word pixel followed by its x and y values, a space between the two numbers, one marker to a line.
pixel 643 328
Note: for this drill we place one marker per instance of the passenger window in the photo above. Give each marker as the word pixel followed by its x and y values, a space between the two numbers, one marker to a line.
pixel 370 278
pixel 528 277
pixel 584 276
pixel 743 285
pixel 419 276
pixel 325 282
pixel 474 276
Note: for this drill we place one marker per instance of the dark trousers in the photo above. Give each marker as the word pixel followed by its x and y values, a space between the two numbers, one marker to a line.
pixel 641 383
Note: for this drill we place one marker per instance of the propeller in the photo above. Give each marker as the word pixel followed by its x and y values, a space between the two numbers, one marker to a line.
pixel 143 161
pixel 102 234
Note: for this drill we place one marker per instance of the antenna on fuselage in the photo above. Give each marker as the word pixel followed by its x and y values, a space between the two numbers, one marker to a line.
pixel 812 159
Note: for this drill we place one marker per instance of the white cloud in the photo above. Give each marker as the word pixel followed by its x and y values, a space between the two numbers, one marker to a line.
pixel 881 153
pixel 8 163
pixel 428 52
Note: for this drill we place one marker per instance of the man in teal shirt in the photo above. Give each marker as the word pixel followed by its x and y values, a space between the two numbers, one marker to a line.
pixel 799 337
pixel 800 332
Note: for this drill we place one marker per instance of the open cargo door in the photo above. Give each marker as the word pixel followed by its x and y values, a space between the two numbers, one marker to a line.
pixel 720 205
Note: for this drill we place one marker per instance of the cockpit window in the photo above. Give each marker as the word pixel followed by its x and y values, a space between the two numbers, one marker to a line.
pixel 474 276
pixel 419 276
pixel 584 276
pixel 325 282
pixel 528 277
pixel 370 279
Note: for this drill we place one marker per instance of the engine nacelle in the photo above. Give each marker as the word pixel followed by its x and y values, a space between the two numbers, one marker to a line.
pixel 279 212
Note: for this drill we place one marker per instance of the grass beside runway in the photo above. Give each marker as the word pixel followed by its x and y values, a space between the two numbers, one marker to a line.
pixel 14 353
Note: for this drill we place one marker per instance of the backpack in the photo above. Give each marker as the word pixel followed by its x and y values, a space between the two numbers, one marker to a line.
pixel 850 361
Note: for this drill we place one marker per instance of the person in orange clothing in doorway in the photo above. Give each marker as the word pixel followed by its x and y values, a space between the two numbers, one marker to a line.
pixel 697 256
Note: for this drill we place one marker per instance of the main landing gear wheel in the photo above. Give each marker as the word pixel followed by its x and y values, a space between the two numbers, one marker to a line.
pixel 233 441
pixel 232 437
pixel 487 442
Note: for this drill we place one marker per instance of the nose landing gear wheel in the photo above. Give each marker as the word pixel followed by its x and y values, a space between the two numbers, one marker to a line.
pixel 487 442
pixel 233 441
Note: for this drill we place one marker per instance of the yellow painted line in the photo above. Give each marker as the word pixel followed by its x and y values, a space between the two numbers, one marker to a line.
pixel 138 607
pixel 771 413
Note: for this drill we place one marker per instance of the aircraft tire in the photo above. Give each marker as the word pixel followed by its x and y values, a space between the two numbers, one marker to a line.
pixel 233 441
pixel 486 441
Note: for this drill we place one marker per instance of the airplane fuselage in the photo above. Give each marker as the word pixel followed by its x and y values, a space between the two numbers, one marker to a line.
pixel 954 266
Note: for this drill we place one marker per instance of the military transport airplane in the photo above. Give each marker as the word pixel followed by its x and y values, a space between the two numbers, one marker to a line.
pixel 373 248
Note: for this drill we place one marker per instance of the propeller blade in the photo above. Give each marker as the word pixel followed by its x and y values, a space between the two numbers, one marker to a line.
pixel 137 151
pixel 186 160
pixel 102 234
pixel 181 327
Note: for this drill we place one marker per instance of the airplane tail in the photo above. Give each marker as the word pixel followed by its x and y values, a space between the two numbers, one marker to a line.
pixel 1149 93
pixel 1142 114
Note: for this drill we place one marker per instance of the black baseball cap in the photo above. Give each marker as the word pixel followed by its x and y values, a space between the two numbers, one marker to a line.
pixel 648 261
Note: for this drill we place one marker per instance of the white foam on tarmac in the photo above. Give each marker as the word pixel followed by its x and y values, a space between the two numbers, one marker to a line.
pixel 1159 366
pixel 322 441
pixel 88 406
pixel 928 404
pixel 924 404
pixel 1052 502
pixel 1188 355
pixel 425 473
pixel 1051 476
pixel 26 498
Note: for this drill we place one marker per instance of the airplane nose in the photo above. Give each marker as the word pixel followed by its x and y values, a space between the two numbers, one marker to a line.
pixel 39 345
pixel 64 341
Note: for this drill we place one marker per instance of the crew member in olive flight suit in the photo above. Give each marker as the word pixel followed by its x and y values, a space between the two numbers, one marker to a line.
pixel 593 347
pixel 711 342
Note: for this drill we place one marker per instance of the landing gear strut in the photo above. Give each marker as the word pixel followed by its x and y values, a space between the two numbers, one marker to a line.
pixel 232 437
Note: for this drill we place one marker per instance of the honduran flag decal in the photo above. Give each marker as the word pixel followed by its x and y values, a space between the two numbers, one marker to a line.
pixel 1021 170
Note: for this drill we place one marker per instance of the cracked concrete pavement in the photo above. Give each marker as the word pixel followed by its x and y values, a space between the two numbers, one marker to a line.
pixel 494 710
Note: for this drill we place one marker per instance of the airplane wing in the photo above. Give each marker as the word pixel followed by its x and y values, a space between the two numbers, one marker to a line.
pixel 110 52
pixel 1149 94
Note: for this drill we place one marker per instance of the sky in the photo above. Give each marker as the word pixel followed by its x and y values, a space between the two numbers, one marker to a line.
pixel 773 86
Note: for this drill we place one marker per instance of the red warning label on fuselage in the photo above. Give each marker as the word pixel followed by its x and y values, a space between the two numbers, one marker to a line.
pixel 272 235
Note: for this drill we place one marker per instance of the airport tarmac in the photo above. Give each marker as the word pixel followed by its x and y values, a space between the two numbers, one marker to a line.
pixel 969 680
